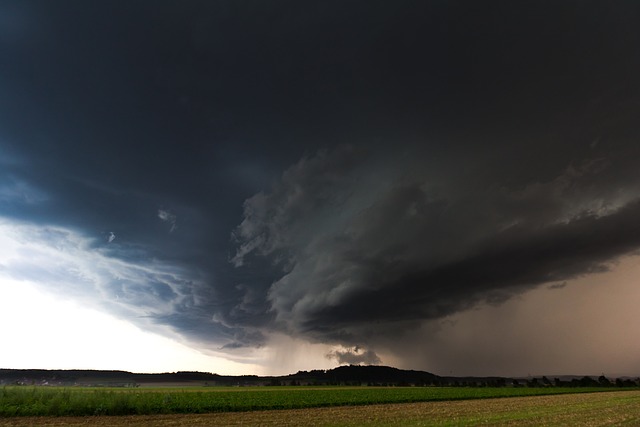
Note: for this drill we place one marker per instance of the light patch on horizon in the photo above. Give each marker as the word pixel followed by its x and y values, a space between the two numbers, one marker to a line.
pixel 51 333
pixel 284 355
pixel 354 356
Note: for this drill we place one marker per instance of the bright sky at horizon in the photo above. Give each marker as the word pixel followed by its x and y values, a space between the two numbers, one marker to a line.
pixel 45 332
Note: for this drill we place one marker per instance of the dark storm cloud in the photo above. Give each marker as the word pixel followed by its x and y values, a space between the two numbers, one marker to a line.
pixel 407 245
pixel 377 163
pixel 506 266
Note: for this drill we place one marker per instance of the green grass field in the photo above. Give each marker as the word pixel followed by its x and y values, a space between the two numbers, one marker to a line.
pixel 53 401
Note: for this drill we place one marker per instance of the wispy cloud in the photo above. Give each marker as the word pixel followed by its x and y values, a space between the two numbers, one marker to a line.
pixel 557 285
pixel 15 190
pixel 66 262
pixel 169 218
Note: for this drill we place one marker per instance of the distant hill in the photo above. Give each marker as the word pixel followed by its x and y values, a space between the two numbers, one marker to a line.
pixel 97 377
pixel 372 375
pixel 356 374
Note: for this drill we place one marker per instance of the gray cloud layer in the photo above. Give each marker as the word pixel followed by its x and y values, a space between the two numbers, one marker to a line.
pixel 362 257
pixel 379 165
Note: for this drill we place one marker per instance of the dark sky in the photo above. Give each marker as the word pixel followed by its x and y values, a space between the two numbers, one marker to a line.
pixel 357 174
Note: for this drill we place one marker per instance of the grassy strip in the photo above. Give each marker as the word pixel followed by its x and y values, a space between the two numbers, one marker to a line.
pixel 53 401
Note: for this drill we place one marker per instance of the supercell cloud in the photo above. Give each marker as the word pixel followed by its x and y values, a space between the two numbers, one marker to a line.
pixel 361 258
pixel 355 177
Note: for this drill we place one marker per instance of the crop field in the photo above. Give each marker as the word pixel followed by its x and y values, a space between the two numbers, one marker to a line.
pixel 54 401
pixel 593 409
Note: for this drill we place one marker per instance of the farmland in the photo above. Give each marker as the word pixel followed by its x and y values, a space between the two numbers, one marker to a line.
pixel 79 401
pixel 595 409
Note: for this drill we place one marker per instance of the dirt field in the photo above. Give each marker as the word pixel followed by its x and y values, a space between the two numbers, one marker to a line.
pixel 596 409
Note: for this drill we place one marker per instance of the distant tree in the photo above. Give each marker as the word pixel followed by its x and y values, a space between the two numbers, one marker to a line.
pixel 588 382
pixel 604 381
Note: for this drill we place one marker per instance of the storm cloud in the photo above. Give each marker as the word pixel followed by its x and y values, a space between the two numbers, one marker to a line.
pixel 399 250
pixel 342 178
